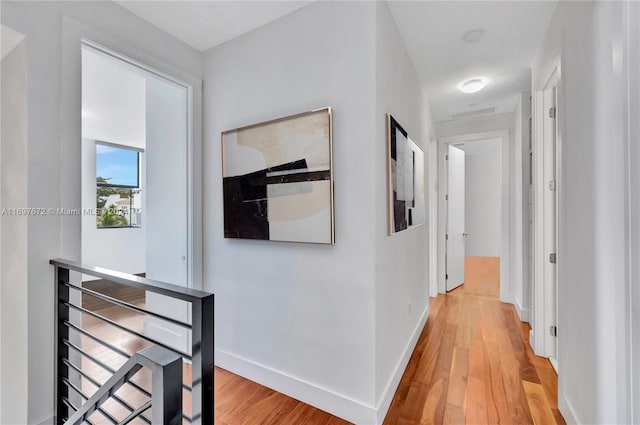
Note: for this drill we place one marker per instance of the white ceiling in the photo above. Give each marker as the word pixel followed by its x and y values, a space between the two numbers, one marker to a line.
pixel 433 30
pixel 205 24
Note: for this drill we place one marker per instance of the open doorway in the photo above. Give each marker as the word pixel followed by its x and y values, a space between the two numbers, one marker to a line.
pixel 113 143
pixel 473 214
pixel 483 217
pixel 135 142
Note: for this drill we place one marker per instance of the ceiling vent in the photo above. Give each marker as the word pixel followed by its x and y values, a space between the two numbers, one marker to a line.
pixel 473 113
pixel 473 36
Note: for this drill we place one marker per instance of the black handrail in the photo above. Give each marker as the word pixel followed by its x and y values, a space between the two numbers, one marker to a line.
pixel 201 328
pixel 173 291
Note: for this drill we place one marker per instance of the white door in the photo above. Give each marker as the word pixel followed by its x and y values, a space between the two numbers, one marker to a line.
pixel 550 220
pixel 166 206
pixel 455 218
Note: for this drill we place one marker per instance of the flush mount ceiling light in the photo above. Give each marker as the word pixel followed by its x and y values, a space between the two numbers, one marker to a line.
pixel 473 36
pixel 473 85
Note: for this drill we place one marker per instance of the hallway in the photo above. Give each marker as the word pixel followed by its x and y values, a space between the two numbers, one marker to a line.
pixel 473 364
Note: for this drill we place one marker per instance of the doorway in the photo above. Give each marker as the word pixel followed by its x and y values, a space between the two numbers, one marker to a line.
pixel 483 217
pixel 135 145
pixel 473 214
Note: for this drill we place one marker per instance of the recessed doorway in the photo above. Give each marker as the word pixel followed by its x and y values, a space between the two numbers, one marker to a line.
pixel 474 214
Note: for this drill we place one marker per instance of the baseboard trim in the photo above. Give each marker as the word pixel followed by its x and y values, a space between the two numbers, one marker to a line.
pixel 523 313
pixel 387 397
pixel 47 421
pixel 531 339
pixel 307 392
pixel 154 329
pixel 566 410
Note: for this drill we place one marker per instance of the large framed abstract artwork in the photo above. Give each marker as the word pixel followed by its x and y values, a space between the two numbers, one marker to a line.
pixel 405 173
pixel 277 179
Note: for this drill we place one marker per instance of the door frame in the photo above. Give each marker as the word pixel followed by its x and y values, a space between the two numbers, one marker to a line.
pixel 74 35
pixel 633 193
pixel 505 239
pixel 542 305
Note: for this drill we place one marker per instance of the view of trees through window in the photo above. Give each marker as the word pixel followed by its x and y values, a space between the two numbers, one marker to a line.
pixel 118 194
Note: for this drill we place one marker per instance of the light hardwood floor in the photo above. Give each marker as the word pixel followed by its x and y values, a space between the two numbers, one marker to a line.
pixel 471 365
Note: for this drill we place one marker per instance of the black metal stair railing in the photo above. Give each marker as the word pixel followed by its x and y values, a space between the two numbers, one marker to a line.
pixel 166 397
pixel 68 349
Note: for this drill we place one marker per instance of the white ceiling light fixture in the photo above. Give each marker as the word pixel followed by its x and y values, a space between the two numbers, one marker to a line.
pixel 473 36
pixel 473 85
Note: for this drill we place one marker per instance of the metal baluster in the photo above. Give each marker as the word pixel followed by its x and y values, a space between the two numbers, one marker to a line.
pixel 62 351
pixel 202 360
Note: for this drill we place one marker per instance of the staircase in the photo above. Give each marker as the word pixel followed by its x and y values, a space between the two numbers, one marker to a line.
pixel 159 384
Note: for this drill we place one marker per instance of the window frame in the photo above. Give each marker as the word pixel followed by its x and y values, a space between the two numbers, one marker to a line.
pixel 139 152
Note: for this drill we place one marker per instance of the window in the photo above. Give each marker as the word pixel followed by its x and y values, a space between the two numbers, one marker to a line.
pixel 118 193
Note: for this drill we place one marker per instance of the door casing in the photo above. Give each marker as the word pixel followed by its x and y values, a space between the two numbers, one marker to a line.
pixel 75 33
pixel 546 240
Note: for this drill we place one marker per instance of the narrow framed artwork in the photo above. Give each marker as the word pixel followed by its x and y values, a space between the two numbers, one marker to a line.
pixel 277 179
pixel 405 179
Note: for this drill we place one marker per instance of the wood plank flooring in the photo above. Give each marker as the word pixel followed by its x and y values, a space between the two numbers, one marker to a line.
pixel 472 364
pixel 243 402
pixel 482 276
pixel 112 289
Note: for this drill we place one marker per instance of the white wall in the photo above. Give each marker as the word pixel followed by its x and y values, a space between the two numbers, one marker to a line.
pixel 13 237
pixel 325 324
pixel 483 194
pixel 593 341
pixel 53 158
pixel 299 317
pixel 480 124
pixel 402 266
pixel 114 111
pixel 521 288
